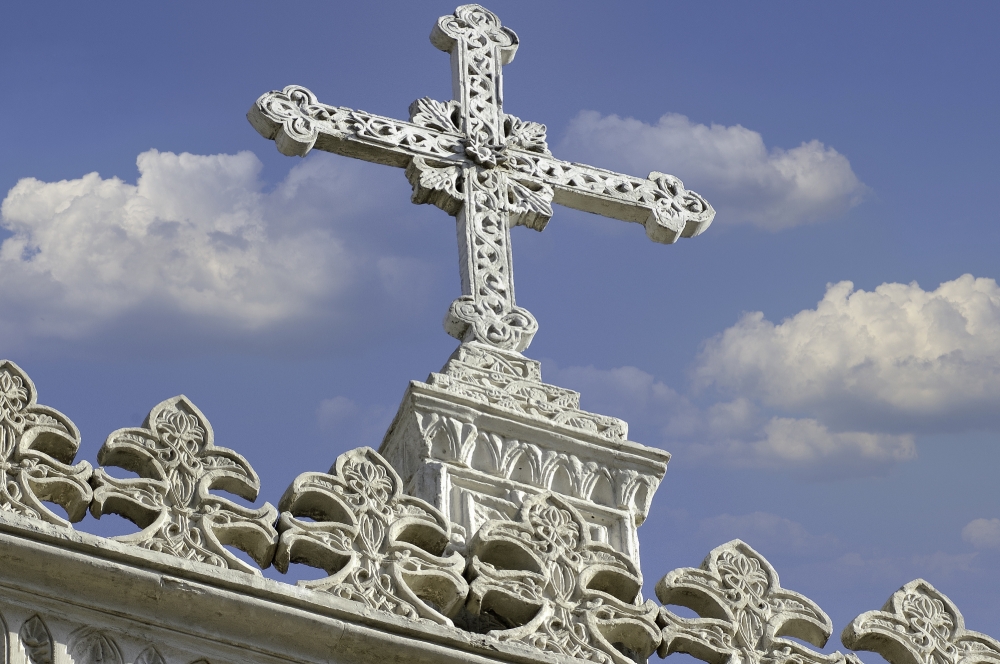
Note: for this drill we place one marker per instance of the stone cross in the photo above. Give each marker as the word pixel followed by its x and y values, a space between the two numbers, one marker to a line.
pixel 489 169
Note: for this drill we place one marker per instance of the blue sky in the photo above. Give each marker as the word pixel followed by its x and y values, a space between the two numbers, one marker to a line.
pixel 154 244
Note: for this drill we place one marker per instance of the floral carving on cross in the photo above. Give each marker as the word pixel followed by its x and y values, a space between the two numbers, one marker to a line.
pixel 554 588
pixel 920 625
pixel 380 547
pixel 37 446
pixel 487 168
pixel 743 613
pixel 178 465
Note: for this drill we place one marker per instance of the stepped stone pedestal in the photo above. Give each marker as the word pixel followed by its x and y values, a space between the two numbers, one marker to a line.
pixel 479 437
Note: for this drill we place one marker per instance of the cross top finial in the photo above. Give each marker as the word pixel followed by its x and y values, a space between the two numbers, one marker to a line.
pixel 487 168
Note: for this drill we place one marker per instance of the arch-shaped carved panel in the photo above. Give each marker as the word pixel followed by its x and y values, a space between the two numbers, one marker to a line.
pixel 36 640
pixel 92 646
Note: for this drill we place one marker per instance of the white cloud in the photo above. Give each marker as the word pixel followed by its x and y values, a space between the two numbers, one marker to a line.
pixel 886 359
pixel 982 533
pixel 197 241
pixel 735 433
pixel 743 179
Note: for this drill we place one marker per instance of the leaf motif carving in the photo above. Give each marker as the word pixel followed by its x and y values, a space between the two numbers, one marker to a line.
pixel 36 640
pixel 178 463
pixel 432 114
pixel 91 646
pixel 530 204
pixel 37 446
pixel 150 656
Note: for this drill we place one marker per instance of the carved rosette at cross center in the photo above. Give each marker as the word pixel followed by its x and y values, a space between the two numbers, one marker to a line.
pixel 489 169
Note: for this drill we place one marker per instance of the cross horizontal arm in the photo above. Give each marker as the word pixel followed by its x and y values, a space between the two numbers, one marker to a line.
pixel 297 123
pixel 659 202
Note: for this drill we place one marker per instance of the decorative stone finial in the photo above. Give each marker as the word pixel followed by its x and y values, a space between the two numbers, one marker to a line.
pixel 178 464
pixel 743 612
pixel 553 588
pixel 37 446
pixel 380 547
pixel 919 625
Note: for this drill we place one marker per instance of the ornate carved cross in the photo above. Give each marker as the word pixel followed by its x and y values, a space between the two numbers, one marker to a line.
pixel 489 169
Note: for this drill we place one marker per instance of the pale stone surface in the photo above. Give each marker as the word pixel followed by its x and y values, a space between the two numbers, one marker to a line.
pixel 920 625
pixel 489 169
pixel 381 548
pixel 744 613
pixel 178 465
pixel 37 446
pixel 485 433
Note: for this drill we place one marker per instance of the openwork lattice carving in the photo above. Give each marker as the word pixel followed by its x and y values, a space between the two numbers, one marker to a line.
pixel 489 169
pixel 556 590
pixel 37 446
pixel 380 547
pixel 178 465
pixel 743 612
pixel 919 625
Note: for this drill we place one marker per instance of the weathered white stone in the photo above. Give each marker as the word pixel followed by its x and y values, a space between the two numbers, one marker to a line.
pixel 546 583
pixel 37 446
pixel 478 438
pixel 178 465
pixel 489 169
pixel 744 613
pixel 920 625
pixel 381 548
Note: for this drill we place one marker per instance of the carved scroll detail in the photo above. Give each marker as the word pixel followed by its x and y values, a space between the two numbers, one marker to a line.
pixel 920 625
pixel 178 464
pixel 37 446
pixel 556 590
pixel 744 613
pixel 380 547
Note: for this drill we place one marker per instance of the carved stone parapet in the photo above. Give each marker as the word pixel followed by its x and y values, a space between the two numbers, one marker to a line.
pixel 920 625
pixel 37 446
pixel 381 548
pixel 549 586
pixel 744 613
pixel 178 464
pixel 485 433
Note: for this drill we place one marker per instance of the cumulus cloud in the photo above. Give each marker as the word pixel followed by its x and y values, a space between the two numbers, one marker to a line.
pixel 196 242
pixel 737 433
pixel 745 181
pixel 983 533
pixel 888 359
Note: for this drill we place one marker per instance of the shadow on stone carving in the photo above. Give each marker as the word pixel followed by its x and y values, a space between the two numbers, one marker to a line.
pixel 150 656
pixel 36 640
pixel 743 612
pixel 178 464
pixel 37 446
pixel 92 646
pixel 381 548
pixel 919 625
pixel 555 589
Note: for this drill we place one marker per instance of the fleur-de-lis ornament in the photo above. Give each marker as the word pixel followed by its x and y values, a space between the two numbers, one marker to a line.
pixel 380 548
pixel 37 446
pixel 744 613
pixel 553 587
pixel 178 465
pixel 919 625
